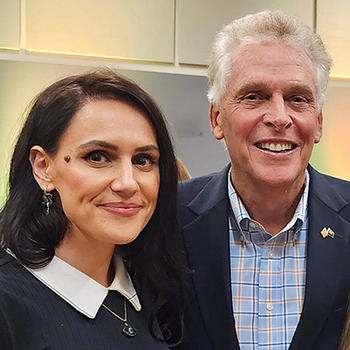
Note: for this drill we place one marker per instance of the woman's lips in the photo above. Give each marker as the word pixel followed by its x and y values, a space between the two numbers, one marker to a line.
pixel 123 209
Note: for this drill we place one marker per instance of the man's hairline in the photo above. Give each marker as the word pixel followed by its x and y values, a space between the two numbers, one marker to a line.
pixel 241 43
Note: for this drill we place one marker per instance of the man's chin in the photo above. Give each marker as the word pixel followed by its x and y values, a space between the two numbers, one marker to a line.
pixel 279 177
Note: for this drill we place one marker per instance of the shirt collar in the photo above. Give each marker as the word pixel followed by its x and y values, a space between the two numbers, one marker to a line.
pixel 243 218
pixel 82 292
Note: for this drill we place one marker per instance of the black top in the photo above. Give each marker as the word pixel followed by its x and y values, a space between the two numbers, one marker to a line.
pixel 33 317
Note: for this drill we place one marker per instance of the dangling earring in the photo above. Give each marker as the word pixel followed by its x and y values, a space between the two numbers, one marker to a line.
pixel 47 201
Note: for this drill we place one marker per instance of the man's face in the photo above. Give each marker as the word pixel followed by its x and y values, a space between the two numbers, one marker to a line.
pixel 268 115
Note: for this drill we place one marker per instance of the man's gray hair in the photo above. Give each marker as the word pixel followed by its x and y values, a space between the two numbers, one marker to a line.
pixel 266 26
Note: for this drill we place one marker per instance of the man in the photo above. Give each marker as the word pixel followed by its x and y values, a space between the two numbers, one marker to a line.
pixel 267 238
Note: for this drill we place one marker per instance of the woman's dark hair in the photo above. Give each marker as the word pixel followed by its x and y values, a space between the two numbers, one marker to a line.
pixel 345 339
pixel 154 257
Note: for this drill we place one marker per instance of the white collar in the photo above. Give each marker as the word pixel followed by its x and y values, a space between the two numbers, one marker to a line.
pixel 82 292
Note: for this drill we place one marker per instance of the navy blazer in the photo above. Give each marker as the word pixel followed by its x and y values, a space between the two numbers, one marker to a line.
pixel 203 215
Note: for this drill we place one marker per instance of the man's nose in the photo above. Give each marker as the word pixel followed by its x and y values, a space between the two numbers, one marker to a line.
pixel 277 115
pixel 124 181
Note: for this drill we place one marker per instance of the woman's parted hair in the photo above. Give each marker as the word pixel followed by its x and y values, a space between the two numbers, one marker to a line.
pixel 270 25
pixel 32 236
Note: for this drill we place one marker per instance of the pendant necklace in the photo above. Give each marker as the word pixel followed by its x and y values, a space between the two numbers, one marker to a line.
pixel 128 330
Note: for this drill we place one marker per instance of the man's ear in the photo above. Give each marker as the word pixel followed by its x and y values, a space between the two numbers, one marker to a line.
pixel 40 163
pixel 215 122
pixel 319 128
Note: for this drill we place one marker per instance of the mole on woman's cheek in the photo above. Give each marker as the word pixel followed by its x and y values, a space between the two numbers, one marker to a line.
pixel 66 158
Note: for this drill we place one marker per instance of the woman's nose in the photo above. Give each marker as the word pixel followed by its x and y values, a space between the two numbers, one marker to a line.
pixel 124 181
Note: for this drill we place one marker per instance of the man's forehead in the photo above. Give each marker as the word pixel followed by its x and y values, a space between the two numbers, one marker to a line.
pixel 262 63
pixel 255 52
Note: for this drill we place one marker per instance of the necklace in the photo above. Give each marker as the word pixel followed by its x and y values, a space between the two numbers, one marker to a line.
pixel 128 330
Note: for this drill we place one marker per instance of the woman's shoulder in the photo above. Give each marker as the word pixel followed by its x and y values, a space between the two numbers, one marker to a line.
pixel 14 277
pixel 7 265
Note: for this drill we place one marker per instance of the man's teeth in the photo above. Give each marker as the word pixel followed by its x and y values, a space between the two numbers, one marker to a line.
pixel 275 147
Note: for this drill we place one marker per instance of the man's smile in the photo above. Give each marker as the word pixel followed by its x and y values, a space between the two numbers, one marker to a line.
pixel 275 147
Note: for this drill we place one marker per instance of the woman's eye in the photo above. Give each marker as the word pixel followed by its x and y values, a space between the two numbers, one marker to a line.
pixel 145 162
pixel 96 158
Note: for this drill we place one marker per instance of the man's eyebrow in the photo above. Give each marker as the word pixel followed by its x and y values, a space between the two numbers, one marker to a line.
pixel 262 86
pixel 251 87
pixel 301 89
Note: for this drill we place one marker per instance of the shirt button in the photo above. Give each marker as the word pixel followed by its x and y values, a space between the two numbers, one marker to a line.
pixel 269 307
pixel 271 254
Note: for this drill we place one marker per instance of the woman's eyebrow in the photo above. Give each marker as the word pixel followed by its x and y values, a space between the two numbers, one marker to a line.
pixel 113 147
pixel 99 143
pixel 147 148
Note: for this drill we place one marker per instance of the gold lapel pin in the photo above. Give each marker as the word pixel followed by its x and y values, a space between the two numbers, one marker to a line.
pixel 327 232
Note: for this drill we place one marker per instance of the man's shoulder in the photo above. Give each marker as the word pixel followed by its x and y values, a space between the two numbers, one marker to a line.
pixel 322 182
pixel 195 183
pixel 333 192
pixel 188 189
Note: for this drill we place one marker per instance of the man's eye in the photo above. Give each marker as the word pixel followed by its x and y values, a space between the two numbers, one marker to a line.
pixel 299 99
pixel 252 97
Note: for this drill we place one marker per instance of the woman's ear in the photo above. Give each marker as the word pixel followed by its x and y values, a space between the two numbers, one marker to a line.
pixel 39 160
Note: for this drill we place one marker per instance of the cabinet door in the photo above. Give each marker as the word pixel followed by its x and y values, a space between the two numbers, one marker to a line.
pixel 200 20
pixel 128 29
pixel 334 27
pixel 9 24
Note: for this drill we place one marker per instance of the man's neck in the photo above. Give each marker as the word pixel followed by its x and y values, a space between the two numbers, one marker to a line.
pixel 272 206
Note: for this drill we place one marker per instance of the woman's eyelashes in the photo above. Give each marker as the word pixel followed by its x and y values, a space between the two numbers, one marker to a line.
pixel 97 158
pixel 143 161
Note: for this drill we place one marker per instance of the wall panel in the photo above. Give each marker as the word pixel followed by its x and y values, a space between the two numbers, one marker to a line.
pixel 332 154
pixel 333 25
pixel 9 24
pixel 199 20
pixel 131 29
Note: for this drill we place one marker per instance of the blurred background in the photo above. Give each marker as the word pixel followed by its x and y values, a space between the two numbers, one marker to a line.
pixel 164 46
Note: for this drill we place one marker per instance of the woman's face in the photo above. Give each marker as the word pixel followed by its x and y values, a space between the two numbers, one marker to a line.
pixel 106 173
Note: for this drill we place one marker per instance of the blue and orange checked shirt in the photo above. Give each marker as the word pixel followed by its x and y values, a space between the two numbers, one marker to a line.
pixel 267 276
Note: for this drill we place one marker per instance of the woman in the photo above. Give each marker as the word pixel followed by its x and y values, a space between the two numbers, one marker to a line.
pixel 182 172
pixel 345 341
pixel 89 256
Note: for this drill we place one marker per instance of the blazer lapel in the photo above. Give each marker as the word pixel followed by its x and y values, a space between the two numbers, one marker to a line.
pixel 207 243
pixel 326 260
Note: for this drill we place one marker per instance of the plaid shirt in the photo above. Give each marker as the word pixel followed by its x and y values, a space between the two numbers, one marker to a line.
pixel 267 276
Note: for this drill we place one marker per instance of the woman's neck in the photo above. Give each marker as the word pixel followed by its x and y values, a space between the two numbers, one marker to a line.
pixel 92 258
